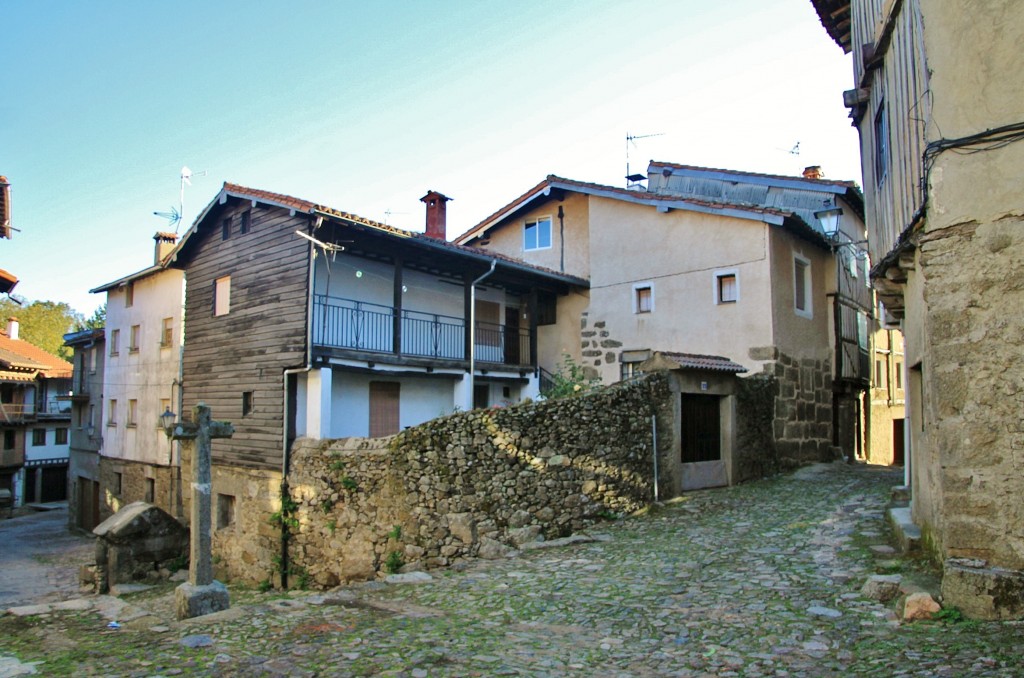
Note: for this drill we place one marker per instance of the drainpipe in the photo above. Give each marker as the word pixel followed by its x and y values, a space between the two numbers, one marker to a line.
pixel 561 235
pixel 285 419
pixel 472 329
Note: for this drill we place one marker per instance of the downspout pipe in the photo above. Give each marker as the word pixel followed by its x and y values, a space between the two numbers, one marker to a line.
pixel 286 404
pixel 472 329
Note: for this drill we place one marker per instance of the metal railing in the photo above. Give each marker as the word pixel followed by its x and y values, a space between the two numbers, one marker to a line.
pixel 364 326
pixel 17 411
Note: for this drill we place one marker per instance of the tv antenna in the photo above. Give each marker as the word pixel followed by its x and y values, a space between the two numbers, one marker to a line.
pixel 795 151
pixel 635 179
pixel 387 215
pixel 178 213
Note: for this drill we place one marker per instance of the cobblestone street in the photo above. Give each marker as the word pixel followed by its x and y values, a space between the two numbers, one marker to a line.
pixel 762 579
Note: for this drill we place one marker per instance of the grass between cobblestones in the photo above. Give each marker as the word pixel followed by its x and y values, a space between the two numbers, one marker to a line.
pixel 756 580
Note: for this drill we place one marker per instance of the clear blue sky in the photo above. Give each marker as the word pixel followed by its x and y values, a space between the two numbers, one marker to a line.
pixel 365 106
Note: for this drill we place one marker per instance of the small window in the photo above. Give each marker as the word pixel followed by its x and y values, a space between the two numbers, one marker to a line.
pixel 246 222
pixel 9 439
pixel 133 339
pixel 225 228
pixel 225 511
pixel 133 413
pixel 60 436
pixel 898 375
pixel 150 490
pixel 112 412
pixel 129 295
pixel 727 289
pixel 115 339
pixel 630 369
pixel 38 437
pixel 116 485
pixel 246 403
pixel 92 417
pixel 167 332
pixel 537 234
pixel 222 295
pixel 802 286
pixel 547 309
pixel 881 144
pixel 643 298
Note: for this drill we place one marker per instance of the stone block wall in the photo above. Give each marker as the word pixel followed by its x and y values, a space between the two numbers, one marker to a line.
pixel 802 422
pixel 123 481
pixel 472 484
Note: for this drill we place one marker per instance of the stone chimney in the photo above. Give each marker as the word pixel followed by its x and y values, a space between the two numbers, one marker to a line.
pixel 437 226
pixel 813 172
pixel 164 245
pixel 12 327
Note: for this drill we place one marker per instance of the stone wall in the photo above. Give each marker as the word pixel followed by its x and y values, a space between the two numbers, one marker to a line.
pixel 802 423
pixel 473 484
pixel 123 482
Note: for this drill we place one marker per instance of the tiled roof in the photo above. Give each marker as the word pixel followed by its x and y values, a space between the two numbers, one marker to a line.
pixel 19 349
pixel 654 164
pixel 693 361
pixel 9 376
pixel 553 181
pixel 7 281
pixel 306 206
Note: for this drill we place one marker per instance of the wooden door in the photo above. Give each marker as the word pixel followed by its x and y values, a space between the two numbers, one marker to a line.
pixel 384 408
pixel 898 452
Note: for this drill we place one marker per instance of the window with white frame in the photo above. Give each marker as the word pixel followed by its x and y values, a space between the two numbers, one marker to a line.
pixel 167 332
pixel 133 413
pixel 727 287
pixel 643 298
pixel 537 234
pixel 802 286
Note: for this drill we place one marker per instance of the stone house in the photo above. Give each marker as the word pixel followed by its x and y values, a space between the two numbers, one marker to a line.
pixel 33 420
pixel 86 398
pixel 306 321
pixel 143 338
pixel 717 265
pixel 940 124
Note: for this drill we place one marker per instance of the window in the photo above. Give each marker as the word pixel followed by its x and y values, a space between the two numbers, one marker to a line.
pixel 547 309
pixel 150 490
pixel 802 286
pixel 537 234
pixel 222 295
pixel 92 360
pixel 225 228
pixel 9 439
pixel 38 436
pixel 167 333
pixel 898 375
pixel 880 373
pixel 225 511
pixel 246 222
pixel 115 339
pixel 116 484
pixel 727 287
pixel 133 412
pixel 881 144
pixel 60 436
pixel 129 295
pixel 246 403
pixel 92 417
pixel 111 413
pixel 643 298
pixel 133 339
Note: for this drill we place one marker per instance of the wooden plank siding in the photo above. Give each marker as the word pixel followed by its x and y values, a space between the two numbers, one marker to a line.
pixel 263 333
pixel 901 82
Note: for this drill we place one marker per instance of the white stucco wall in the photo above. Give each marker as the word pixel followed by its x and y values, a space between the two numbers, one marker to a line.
pixel 420 399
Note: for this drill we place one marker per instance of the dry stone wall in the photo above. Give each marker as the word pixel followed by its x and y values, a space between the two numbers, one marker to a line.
pixel 473 484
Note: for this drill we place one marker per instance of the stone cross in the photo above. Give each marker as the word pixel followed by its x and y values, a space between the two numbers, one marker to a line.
pixel 201 594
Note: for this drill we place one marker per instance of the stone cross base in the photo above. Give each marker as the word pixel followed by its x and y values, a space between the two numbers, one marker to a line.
pixel 192 600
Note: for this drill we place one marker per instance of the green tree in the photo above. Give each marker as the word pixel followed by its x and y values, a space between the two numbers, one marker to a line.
pixel 97 320
pixel 43 323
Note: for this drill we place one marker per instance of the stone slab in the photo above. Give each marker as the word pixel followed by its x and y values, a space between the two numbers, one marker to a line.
pixel 192 600
pixel 907 533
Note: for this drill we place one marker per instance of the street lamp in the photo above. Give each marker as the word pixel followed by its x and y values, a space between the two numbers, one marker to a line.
pixel 829 220
pixel 167 420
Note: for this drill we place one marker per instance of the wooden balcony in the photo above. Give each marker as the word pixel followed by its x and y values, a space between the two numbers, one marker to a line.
pixel 363 327
pixel 11 413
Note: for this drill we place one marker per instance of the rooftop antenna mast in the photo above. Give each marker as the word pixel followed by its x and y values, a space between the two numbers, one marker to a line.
pixel 178 213
pixel 635 179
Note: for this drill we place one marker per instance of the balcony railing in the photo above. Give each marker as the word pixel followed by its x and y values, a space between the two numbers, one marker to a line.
pixel 362 326
pixel 17 411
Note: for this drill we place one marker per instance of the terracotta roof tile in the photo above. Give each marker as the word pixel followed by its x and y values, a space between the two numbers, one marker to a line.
pixel 47 363
pixel 695 361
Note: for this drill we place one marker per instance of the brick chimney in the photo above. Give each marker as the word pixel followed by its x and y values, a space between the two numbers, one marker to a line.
pixel 437 226
pixel 12 327
pixel 813 172
pixel 164 245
